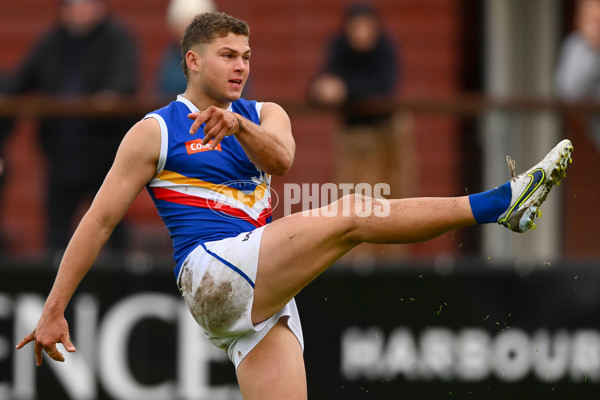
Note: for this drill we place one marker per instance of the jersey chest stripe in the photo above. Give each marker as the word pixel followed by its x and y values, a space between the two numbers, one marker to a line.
pixel 193 201
pixel 247 199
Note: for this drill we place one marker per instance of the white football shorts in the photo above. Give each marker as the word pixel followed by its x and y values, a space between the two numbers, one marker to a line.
pixel 217 282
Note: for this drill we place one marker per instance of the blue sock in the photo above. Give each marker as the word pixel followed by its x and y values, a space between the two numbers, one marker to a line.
pixel 488 206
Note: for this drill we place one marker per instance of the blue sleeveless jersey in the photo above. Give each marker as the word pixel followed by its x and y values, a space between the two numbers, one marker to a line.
pixel 206 195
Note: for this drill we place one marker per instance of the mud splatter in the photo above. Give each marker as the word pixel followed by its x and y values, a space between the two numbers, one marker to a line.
pixel 186 280
pixel 215 305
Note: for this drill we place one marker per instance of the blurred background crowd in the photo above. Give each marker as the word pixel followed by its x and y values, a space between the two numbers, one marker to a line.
pixel 428 96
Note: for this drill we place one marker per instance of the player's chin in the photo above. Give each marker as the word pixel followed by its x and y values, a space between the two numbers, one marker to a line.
pixel 234 95
pixel 234 92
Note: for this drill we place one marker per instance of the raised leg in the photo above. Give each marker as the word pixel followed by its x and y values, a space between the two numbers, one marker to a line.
pixel 296 249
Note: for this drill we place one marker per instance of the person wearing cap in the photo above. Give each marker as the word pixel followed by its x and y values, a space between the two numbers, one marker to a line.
pixel 85 53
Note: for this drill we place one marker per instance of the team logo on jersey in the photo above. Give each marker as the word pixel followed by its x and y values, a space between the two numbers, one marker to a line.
pixel 196 146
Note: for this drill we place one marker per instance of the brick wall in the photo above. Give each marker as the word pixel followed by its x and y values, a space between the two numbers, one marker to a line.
pixel 288 42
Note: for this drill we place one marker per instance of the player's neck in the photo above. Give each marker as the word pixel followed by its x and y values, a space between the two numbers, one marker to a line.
pixel 201 100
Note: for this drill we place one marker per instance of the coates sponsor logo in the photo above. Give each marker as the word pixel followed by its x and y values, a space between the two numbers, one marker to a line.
pixel 196 146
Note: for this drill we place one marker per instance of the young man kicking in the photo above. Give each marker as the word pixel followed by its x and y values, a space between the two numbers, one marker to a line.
pixel 207 159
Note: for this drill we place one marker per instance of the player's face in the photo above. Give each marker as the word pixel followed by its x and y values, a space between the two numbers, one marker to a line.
pixel 224 67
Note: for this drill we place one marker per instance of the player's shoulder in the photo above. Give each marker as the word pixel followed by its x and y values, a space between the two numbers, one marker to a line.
pixel 143 139
pixel 261 108
pixel 145 129
pixel 273 109
pixel 273 106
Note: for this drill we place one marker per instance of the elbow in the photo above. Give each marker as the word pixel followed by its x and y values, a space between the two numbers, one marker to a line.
pixel 281 166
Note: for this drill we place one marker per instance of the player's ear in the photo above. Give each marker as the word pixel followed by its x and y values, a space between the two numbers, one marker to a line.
pixel 193 60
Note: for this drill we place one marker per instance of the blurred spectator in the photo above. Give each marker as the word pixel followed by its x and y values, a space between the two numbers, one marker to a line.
pixel 86 53
pixel 170 78
pixel 577 74
pixel 359 78
pixel 5 127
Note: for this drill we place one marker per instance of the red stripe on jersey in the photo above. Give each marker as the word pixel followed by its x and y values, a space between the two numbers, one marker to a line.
pixel 194 201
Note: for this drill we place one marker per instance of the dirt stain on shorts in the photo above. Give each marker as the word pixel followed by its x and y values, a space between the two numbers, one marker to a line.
pixel 215 304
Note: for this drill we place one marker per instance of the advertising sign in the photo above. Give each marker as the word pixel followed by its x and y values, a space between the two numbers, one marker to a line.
pixel 395 333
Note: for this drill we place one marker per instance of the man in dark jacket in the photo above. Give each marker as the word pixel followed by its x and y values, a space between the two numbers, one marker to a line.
pixel 84 54
pixel 5 128
pixel 374 145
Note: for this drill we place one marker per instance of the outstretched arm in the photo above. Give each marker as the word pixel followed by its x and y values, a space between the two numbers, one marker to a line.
pixel 270 145
pixel 134 165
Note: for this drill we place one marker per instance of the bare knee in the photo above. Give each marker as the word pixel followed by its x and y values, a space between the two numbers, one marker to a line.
pixel 356 210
